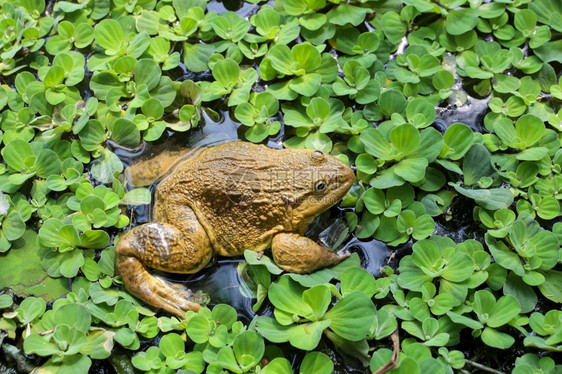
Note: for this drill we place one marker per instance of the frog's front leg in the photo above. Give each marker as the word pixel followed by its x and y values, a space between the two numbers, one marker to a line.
pixel 170 248
pixel 298 254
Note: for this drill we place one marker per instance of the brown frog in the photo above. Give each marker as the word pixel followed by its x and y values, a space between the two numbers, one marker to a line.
pixel 225 200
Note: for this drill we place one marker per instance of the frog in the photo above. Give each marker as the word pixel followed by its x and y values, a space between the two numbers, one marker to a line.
pixel 222 201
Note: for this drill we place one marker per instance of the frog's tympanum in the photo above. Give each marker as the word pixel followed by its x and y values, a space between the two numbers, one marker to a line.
pixel 231 198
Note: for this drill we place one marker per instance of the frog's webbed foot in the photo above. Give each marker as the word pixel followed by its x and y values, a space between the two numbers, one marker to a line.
pixel 172 297
pixel 298 254
pixel 167 248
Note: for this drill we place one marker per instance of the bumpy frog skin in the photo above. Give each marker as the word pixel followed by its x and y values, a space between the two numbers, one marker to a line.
pixel 230 198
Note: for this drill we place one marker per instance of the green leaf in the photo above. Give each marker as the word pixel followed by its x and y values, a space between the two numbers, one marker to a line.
pixel 49 233
pixel 411 276
pixel 392 101
pixel 304 336
pixel 306 85
pixel 286 295
pixel 366 163
pixel 147 73
pixel 405 138
pixel 15 153
pixel 529 129
pixel 252 258
pixel 278 365
pixel 492 199
pixel 463 320
pixel 30 309
pixel 316 362
pixel 24 273
pixel 95 239
pixel 196 56
pixel 375 201
pixel 152 108
pixel 109 35
pixel 5 301
pixel 393 27
pixel 230 26
pixel 171 345
pixel 525 295
pixel 99 344
pixel 35 344
pixel 458 268
pixel 549 51
pixel 48 163
pixel 550 287
pixel 457 141
pixel 318 298
pixel 54 76
pixel 462 20
pixel 476 165
pixel 425 254
pixel 411 169
pixel 307 57
pixel 443 80
pixel 313 21
pixel 420 112
pixel 13 226
pixel 73 363
pixel 506 308
pixel 497 339
pixel 548 208
pixel 346 13
pixel 83 35
pixel 69 235
pixel 226 72
pixel 357 279
pixel 352 316
pixel 375 143
pixel 319 141
pixel 198 329
pixel 73 315
pixel 249 348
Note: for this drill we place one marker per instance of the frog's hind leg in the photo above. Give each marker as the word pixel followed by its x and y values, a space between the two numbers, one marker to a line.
pixel 152 170
pixel 167 248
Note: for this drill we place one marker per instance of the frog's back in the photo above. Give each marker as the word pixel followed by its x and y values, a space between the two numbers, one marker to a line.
pixel 238 192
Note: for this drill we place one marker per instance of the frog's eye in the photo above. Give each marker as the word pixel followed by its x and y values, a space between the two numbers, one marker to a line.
pixel 320 186
pixel 318 156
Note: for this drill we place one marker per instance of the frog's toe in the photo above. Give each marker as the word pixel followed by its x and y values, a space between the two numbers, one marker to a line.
pixel 174 297
pixel 186 293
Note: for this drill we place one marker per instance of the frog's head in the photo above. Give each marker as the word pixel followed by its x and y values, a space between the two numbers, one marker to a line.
pixel 319 182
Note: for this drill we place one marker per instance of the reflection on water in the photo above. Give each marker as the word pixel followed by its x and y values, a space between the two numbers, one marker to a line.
pixel 471 113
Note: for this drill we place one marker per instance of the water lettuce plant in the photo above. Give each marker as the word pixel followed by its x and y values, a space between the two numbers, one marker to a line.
pixel 293 303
